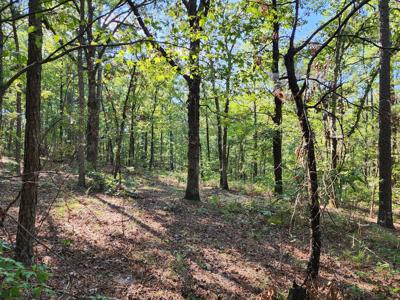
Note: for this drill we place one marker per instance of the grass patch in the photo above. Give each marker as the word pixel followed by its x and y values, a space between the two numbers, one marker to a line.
pixel 67 206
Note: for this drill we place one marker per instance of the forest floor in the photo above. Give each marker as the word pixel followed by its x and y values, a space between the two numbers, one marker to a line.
pixel 153 244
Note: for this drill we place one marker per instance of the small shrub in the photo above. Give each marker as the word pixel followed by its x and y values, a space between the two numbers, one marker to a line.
pixel 19 282
pixel 105 183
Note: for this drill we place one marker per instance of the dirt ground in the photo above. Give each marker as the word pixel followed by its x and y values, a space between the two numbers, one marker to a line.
pixel 155 245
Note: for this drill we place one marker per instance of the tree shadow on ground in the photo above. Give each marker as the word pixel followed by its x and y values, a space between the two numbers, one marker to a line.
pixel 159 246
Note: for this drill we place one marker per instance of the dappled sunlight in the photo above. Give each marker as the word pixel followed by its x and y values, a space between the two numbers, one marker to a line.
pixel 157 244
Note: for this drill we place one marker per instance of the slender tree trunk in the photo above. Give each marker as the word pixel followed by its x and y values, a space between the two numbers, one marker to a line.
pixel 225 152
pixel 151 162
pixel 131 159
pixel 208 136
pixel 225 159
pixel 28 203
pixel 81 91
pixel 144 150
pixel 277 135
pixel 161 164
pixel 110 152
pixel 171 151
pixel 61 108
pixel 255 142
pixel 309 147
pixel 332 133
pixel 242 171
pixel 92 128
pixel 385 214
pixel 18 131
pixel 221 135
pixel 219 138
pixel 18 138
pixel 10 136
pixel 117 168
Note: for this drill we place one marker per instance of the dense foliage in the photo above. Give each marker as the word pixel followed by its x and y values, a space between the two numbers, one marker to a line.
pixel 295 99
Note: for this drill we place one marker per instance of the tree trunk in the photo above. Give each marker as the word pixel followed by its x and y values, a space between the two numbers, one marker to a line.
pixel 225 159
pixel 92 129
pixel 385 215
pixel 194 81
pixel 219 138
pixel 225 152
pixel 171 151
pixel 242 171
pixel 192 187
pixel 144 153
pixel 309 147
pixel 117 168
pixel 332 117
pixel 18 138
pixel 161 164
pixel 131 160
pixel 277 135
pixel 255 142
pixel 131 156
pixel 61 108
pixel 208 136
pixel 27 209
pixel 10 137
pixel 81 91
pixel 151 162
pixel 110 152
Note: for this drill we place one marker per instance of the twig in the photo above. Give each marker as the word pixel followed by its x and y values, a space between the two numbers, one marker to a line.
pixel 34 237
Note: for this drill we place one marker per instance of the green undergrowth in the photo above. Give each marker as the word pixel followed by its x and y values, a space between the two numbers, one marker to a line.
pixel 64 207
pixel 372 252
pixel 20 282
pixel 265 210
pixel 106 183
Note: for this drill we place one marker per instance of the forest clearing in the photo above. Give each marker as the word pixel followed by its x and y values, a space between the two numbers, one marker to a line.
pixel 232 245
pixel 199 149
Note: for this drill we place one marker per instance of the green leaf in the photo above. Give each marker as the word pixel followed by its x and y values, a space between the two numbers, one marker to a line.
pixel 31 29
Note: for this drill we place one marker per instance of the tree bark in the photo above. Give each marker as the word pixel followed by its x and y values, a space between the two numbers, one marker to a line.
pixel 28 203
pixel 309 147
pixel 61 108
pixel 171 151
pixel 208 136
pixel 192 187
pixel 194 82
pixel 151 162
pixel 385 214
pixel 131 155
pixel 225 152
pixel 255 142
pixel 219 137
pixel 18 138
pixel 81 91
pixel 277 135
pixel 92 128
